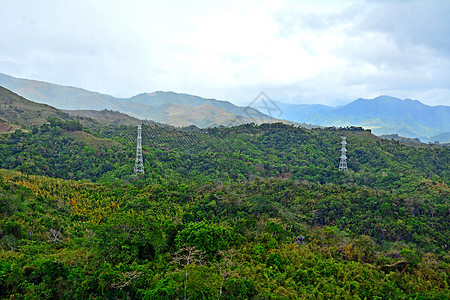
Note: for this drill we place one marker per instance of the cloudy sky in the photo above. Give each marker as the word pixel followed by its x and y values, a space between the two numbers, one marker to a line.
pixel 295 51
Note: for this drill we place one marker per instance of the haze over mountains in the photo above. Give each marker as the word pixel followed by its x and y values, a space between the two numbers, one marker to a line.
pixel 166 107
pixel 383 115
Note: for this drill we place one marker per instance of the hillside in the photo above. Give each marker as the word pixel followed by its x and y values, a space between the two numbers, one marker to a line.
pixel 62 97
pixel 244 212
pixel 219 154
pixel 383 115
pixel 165 107
pixel 5 126
pixel 20 111
pixel 163 98
pixel 95 118
pixel 402 139
pixel 248 212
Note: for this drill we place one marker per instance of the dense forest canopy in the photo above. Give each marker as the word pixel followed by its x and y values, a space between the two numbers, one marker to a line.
pixel 248 212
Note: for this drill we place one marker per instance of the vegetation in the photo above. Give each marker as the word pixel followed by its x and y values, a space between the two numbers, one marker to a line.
pixel 223 154
pixel 249 212
pixel 168 107
pixel 20 111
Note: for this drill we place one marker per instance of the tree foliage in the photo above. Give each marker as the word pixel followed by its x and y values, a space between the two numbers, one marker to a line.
pixel 218 215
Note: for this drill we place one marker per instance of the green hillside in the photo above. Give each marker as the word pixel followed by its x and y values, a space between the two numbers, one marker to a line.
pixel 222 154
pixel 248 212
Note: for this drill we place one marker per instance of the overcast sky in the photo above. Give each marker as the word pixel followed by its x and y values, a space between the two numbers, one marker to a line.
pixel 295 51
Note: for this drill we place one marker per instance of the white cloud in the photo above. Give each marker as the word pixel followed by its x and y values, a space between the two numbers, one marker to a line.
pixel 329 51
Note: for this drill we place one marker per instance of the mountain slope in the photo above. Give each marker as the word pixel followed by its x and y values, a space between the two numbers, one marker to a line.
pixel 62 97
pixel 157 106
pixel 15 109
pixel 106 117
pixel 161 98
pixel 383 115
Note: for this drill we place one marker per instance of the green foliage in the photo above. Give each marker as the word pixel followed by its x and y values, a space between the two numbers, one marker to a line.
pixel 165 288
pixel 210 238
pixel 71 125
pixel 128 237
pixel 241 196
pixel 239 288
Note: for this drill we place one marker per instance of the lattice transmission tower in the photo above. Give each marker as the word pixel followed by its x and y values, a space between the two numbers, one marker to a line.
pixel 343 162
pixel 139 164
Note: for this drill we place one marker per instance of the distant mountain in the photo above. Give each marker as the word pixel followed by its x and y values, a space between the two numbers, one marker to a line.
pixel 442 137
pixel 383 115
pixel 183 110
pixel 167 107
pixel 309 113
pixel 205 115
pixel 61 97
pixel 16 110
pixel 106 117
pixel 402 139
pixel 162 98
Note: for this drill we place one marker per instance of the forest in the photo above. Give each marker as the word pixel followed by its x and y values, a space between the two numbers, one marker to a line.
pixel 247 212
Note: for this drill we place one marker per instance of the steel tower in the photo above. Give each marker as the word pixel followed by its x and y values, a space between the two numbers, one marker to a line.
pixel 343 162
pixel 139 164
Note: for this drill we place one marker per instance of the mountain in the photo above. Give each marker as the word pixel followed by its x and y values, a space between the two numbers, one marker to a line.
pixel 442 137
pixel 167 107
pixel 62 97
pixel 162 98
pixel 91 118
pixel 6 127
pixel 308 113
pixel 383 115
pixel 402 139
pixel 179 109
pixel 16 110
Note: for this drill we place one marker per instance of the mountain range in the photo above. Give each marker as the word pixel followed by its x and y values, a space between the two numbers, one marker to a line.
pixel 384 115
pixel 166 107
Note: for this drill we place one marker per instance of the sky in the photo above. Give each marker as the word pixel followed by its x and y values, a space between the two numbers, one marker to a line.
pixel 296 51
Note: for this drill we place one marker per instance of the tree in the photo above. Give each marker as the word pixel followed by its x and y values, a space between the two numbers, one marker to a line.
pixel 209 238
pixel 186 256
pixel 226 267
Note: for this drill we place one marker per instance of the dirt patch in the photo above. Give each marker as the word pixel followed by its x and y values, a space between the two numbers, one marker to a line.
pixel 5 127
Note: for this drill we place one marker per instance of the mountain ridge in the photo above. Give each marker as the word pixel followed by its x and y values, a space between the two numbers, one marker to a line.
pixel 384 115
pixel 154 106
